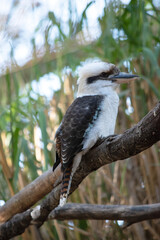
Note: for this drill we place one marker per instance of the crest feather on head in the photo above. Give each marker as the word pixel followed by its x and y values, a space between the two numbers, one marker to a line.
pixel 94 69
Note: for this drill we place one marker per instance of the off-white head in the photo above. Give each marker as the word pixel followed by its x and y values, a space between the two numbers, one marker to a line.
pixel 100 78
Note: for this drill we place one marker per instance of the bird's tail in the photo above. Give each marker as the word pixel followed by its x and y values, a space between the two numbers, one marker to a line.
pixel 66 184
pixel 67 179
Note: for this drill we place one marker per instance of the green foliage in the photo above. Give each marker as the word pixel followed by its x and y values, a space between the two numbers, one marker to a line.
pixel 43 127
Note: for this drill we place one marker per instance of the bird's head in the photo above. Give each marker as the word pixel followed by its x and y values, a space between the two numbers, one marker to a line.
pixel 100 78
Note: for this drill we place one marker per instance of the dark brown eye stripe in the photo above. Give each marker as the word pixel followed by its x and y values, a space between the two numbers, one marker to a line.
pixel 102 76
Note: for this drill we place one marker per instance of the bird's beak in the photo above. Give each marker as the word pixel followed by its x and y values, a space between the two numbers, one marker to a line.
pixel 123 77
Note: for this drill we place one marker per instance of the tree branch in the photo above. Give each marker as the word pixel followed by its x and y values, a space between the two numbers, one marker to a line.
pixel 131 142
pixel 16 225
pixel 31 194
pixel 130 214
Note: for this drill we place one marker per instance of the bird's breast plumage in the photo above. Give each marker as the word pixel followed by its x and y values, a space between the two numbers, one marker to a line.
pixel 105 123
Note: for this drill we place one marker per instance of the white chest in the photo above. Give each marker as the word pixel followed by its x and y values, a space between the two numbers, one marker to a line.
pixel 105 124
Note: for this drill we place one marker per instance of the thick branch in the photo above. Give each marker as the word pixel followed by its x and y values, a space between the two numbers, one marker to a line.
pixel 133 141
pixel 132 214
pixel 31 194
pixel 15 226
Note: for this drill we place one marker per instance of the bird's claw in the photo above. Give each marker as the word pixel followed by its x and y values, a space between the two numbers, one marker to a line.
pixel 112 137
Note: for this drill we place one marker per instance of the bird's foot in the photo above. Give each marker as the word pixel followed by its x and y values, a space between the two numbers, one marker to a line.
pixel 99 142
pixel 112 137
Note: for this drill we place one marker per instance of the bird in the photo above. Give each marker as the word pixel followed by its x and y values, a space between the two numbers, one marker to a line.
pixel 91 116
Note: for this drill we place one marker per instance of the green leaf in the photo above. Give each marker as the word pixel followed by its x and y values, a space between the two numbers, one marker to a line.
pixel 43 127
pixel 152 86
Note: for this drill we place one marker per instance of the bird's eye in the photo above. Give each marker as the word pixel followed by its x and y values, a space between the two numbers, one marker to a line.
pixel 103 74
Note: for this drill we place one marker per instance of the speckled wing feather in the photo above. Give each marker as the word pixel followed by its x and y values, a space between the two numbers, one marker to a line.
pixel 58 148
pixel 71 133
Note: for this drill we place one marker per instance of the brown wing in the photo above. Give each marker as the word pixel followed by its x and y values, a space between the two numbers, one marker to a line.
pixel 75 126
pixel 58 148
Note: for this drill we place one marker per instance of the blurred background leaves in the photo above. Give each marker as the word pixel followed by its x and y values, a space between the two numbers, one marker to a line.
pixel 42 44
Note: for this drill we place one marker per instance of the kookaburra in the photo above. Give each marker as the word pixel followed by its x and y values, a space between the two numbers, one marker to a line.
pixel 91 116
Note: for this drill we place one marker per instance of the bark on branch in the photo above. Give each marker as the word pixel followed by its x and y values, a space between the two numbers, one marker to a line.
pixel 131 142
pixel 130 214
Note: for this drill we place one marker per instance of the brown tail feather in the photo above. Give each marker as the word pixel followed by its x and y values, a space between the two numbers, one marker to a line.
pixel 65 185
